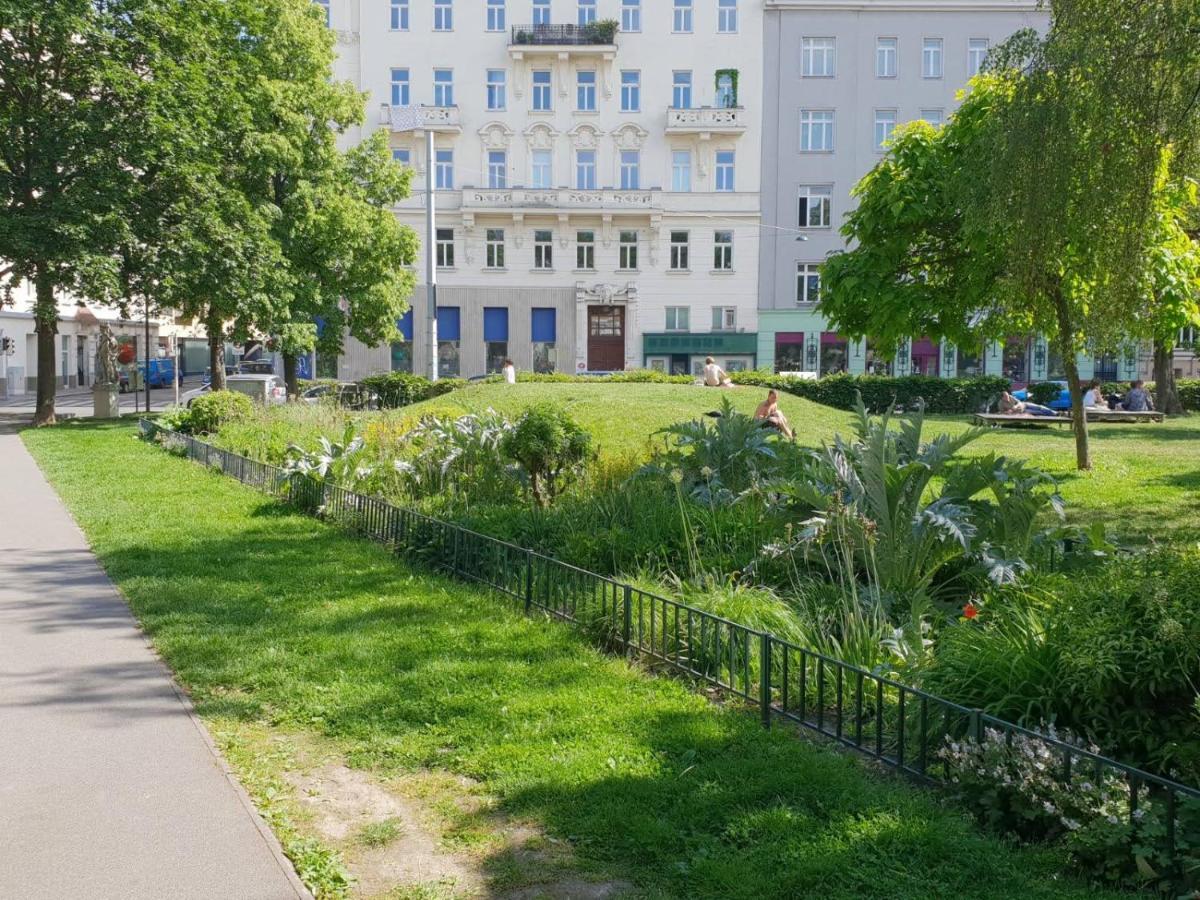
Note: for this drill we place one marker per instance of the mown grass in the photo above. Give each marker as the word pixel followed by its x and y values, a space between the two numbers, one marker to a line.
pixel 269 617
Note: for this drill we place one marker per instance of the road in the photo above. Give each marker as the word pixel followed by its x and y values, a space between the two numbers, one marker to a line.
pixel 78 404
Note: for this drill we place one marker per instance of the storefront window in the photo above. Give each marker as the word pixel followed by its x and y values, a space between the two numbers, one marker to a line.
pixel 1055 370
pixel 789 352
pixel 448 363
pixel 545 357
pixel 497 352
pixel 1015 364
pixel 970 362
pixel 834 354
pixel 402 360
pixel 876 364
pixel 926 355
pixel 327 365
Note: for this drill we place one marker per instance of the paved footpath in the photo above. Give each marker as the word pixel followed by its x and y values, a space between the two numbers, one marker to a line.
pixel 109 785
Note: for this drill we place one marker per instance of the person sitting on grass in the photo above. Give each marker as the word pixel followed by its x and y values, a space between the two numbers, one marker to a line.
pixel 1138 399
pixel 1011 406
pixel 714 375
pixel 772 416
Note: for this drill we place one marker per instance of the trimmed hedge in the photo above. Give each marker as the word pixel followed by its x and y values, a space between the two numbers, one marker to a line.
pixel 941 395
pixel 396 389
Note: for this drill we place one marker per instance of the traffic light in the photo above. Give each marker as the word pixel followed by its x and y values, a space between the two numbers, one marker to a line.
pixel 7 345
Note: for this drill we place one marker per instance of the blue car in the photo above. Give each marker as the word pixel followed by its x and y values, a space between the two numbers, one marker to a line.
pixel 162 372
pixel 1061 402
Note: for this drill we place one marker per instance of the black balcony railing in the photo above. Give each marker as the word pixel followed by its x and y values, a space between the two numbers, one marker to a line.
pixel 599 32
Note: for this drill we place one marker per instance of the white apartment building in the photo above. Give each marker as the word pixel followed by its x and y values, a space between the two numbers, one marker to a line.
pixel 597 191
pixel 841 75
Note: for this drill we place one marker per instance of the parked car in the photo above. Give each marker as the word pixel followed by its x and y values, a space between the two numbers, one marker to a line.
pixel 256 367
pixel 265 389
pixel 162 372
pixel 1060 402
pixel 187 397
pixel 346 394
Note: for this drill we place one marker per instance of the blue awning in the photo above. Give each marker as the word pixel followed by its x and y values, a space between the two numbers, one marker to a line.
pixel 545 325
pixel 495 323
pixel 404 323
pixel 448 323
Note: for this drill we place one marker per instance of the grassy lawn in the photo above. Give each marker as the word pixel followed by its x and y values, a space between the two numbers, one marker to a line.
pixel 280 626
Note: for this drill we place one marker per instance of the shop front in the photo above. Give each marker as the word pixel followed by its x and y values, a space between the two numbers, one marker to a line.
pixel 684 354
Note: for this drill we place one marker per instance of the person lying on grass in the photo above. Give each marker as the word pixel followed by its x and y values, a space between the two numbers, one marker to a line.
pixel 1011 406
pixel 769 413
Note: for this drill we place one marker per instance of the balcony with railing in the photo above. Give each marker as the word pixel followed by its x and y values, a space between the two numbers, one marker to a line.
pixel 605 200
pixel 594 34
pixel 441 119
pixel 706 120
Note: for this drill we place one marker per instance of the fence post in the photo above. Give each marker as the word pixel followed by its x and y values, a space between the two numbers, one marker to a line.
pixel 627 626
pixel 977 726
pixel 528 581
pixel 764 678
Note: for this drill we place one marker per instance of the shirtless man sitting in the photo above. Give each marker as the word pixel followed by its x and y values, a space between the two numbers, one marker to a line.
pixel 768 413
pixel 714 375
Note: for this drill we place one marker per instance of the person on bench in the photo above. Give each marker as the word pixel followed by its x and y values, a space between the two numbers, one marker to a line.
pixel 1011 406
pixel 771 416
pixel 1138 399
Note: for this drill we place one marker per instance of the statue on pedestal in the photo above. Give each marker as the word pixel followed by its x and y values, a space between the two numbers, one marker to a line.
pixel 105 399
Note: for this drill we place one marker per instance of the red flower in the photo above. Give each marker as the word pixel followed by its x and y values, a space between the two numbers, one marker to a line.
pixel 970 611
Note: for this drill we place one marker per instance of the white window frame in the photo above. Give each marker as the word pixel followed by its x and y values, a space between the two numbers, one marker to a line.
pixel 933 58
pixel 631 91
pixel 724 318
pixel 542 99
pixel 585 170
pixel 443 169
pixel 682 17
pixel 495 15
pixel 585 91
pixel 401 87
pixel 822 194
pixel 497 90
pixel 681 251
pixel 818 57
pixel 585 250
pixel 724 98
pixel 402 155
pixel 543 250
pixel 541 169
pixel 885 127
pixel 935 117
pixel 723 251
pixel 681 175
pixel 727 16
pixel 681 88
pixel 887 50
pixel 725 171
pixel 630 170
pixel 627 251
pixel 443 89
pixel 398 15
pixel 443 15
pixel 677 318
pixel 813 122
pixel 587 12
pixel 497 169
pixel 631 15
pixel 327 9
pixel 444 248
pixel 541 12
pixel 803 271
pixel 977 55
pixel 493 248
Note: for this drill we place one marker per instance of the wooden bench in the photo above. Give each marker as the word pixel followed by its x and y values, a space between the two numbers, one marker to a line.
pixel 1026 420
pixel 1123 415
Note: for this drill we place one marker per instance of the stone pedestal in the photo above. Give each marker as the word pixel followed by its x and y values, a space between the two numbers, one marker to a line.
pixel 106 402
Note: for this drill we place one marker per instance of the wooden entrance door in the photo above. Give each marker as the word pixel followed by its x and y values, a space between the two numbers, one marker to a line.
pixel 606 338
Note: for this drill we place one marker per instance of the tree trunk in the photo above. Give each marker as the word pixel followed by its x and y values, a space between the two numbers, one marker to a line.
pixel 46 317
pixel 1166 394
pixel 291 376
pixel 216 354
pixel 1066 343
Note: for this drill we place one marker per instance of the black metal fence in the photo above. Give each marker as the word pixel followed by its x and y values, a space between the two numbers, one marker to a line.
pixel 563 35
pixel 901 726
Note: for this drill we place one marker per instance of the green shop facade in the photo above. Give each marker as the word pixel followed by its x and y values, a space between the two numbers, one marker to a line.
pixel 683 353
pixel 800 341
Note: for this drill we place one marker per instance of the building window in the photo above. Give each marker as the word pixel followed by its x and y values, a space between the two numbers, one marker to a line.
pixel 631 15
pixel 885 124
pixel 934 117
pixel 808 283
pixel 444 170
pixel 885 57
pixel 585 170
pixel 817 57
pixel 543 250
pixel 327 365
pixel 977 51
pixel 681 170
pixel 402 155
pixel 495 337
pixel 445 248
pixel 682 22
pixel 679 251
pixel 497 169
pixel 542 174
pixel 723 251
pixel 724 318
pixel 725 98
pixel 443 15
pixel 494 245
pixel 727 16
pixel 931 58
pixel 544 332
pixel 585 250
pixel 402 356
pixel 631 91
pixel 541 90
pixel 816 130
pixel 541 12
pixel 399 15
pixel 443 87
pixel 677 318
pixel 630 170
pixel 496 79
pixel 587 12
pixel 400 94
pixel 681 90
pixel 585 91
pixel 326 13
pixel 449 333
pixel 495 15
pixel 627 253
pixel 725 170
pixel 815 202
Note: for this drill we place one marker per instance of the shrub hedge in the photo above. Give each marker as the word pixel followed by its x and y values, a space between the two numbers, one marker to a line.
pixel 941 395
pixel 396 389
pixel 210 411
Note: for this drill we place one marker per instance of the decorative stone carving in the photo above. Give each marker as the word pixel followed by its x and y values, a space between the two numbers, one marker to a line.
pixel 605 294
pixel 540 136
pixel 585 137
pixel 495 136
pixel 629 137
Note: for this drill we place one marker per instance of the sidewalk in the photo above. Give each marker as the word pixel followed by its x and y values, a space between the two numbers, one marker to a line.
pixel 109 786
